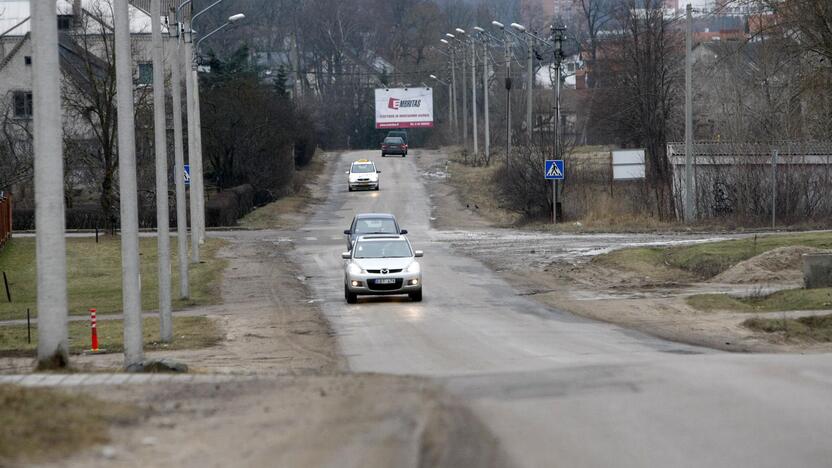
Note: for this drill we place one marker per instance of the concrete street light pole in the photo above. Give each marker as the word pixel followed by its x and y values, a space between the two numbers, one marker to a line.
pixel 179 161
pixel 485 92
pixel 529 77
pixel 474 93
pixel 464 92
pixel 49 188
pixel 128 193
pixel 194 160
pixel 450 97
pixel 689 199
pixel 453 87
pixel 161 146
pixel 508 89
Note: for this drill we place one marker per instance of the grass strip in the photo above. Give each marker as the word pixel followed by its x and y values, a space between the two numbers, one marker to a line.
pixel 189 333
pixel 804 329
pixel 709 259
pixel 786 300
pixel 94 276
pixel 42 424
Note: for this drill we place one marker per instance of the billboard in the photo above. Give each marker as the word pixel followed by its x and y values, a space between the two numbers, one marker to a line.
pixel 628 164
pixel 404 108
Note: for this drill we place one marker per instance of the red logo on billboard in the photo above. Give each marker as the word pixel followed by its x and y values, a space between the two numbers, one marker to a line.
pixel 393 103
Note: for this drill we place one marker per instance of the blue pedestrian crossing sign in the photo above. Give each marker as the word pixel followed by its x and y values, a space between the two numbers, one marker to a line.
pixel 187 174
pixel 554 169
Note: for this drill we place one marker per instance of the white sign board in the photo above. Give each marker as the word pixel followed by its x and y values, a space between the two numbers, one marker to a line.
pixel 628 164
pixel 404 108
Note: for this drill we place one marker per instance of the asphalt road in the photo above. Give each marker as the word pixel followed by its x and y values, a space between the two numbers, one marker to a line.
pixel 559 390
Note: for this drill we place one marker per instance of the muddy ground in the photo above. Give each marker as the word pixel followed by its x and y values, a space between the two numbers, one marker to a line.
pixel 556 269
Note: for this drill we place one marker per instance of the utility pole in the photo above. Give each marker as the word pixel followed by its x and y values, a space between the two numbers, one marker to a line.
pixel 485 99
pixel 474 92
pixel 193 159
pixel 689 189
pixel 464 101
pixel 200 180
pixel 161 145
pixel 508 103
pixel 558 36
pixel 179 169
pixel 49 188
pixel 453 88
pixel 530 85
pixel 128 192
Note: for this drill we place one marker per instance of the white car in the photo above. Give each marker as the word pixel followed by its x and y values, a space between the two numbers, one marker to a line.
pixel 381 265
pixel 363 175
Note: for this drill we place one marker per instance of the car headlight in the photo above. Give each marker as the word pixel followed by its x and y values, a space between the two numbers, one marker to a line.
pixel 414 268
pixel 354 269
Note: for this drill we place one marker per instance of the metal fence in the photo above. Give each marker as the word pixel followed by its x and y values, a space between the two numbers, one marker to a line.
pixel 5 218
pixel 780 182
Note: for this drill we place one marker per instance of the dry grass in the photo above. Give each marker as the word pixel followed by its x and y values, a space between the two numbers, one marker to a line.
pixel 814 329
pixel 787 300
pixel 475 189
pixel 41 425
pixel 94 276
pixel 706 260
pixel 189 333
pixel 285 212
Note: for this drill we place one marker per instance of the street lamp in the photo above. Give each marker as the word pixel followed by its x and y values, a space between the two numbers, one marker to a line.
pixel 453 81
pixel 508 87
pixel 518 27
pixel 231 20
pixel 485 91
pixel 450 99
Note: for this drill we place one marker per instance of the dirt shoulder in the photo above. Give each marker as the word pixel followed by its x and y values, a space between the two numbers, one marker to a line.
pixel 639 290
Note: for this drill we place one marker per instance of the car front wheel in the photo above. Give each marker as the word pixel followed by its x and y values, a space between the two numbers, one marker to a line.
pixel 351 297
pixel 416 296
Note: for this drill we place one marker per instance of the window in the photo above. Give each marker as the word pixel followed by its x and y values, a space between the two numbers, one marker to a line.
pixel 64 22
pixel 27 60
pixel 23 104
pixel 145 73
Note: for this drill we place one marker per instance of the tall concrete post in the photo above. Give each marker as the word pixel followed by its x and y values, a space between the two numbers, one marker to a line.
pixel 200 179
pixel 508 102
pixel 193 159
pixel 128 192
pixel 49 188
pixel 689 203
pixel 161 150
pixel 179 171
pixel 464 100
pixel 485 110
pixel 454 100
pixel 474 94
pixel 529 85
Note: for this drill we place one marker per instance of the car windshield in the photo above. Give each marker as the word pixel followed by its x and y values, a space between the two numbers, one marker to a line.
pixel 375 226
pixel 363 168
pixel 393 141
pixel 382 249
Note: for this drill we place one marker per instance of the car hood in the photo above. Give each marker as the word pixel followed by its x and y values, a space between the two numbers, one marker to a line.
pixel 379 263
pixel 371 175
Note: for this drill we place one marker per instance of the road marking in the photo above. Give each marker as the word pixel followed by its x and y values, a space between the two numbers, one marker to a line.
pixel 310 238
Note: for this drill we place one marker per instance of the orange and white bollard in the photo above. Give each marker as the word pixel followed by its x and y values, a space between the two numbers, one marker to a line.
pixel 94 331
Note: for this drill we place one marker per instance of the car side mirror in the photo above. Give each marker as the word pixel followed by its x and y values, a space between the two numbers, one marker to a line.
pixel 347 232
pixel 403 231
pixel 347 172
pixel 378 172
pixel 418 253
pixel 346 255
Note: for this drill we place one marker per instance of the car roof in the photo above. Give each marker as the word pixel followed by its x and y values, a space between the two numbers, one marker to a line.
pixel 375 215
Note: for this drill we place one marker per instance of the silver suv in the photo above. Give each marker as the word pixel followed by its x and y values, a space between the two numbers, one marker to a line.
pixel 382 265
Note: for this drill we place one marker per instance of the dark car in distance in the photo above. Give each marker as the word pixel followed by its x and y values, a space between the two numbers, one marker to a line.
pixel 393 145
pixel 372 223
pixel 398 133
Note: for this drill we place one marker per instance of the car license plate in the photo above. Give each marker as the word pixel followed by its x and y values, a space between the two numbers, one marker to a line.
pixel 386 281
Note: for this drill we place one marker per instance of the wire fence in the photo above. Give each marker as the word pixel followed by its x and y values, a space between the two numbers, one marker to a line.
pixel 5 218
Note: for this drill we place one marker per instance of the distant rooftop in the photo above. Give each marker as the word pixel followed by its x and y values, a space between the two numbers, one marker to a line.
pixel 14 12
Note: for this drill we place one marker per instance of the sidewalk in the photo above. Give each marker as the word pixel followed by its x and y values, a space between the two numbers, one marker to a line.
pixel 79 380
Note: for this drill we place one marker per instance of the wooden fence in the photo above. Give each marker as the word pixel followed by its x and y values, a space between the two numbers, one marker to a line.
pixel 5 219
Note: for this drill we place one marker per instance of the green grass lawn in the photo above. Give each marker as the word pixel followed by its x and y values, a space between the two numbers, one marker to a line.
pixel 704 261
pixel 804 329
pixel 94 276
pixel 789 299
pixel 41 424
pixel 189 333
